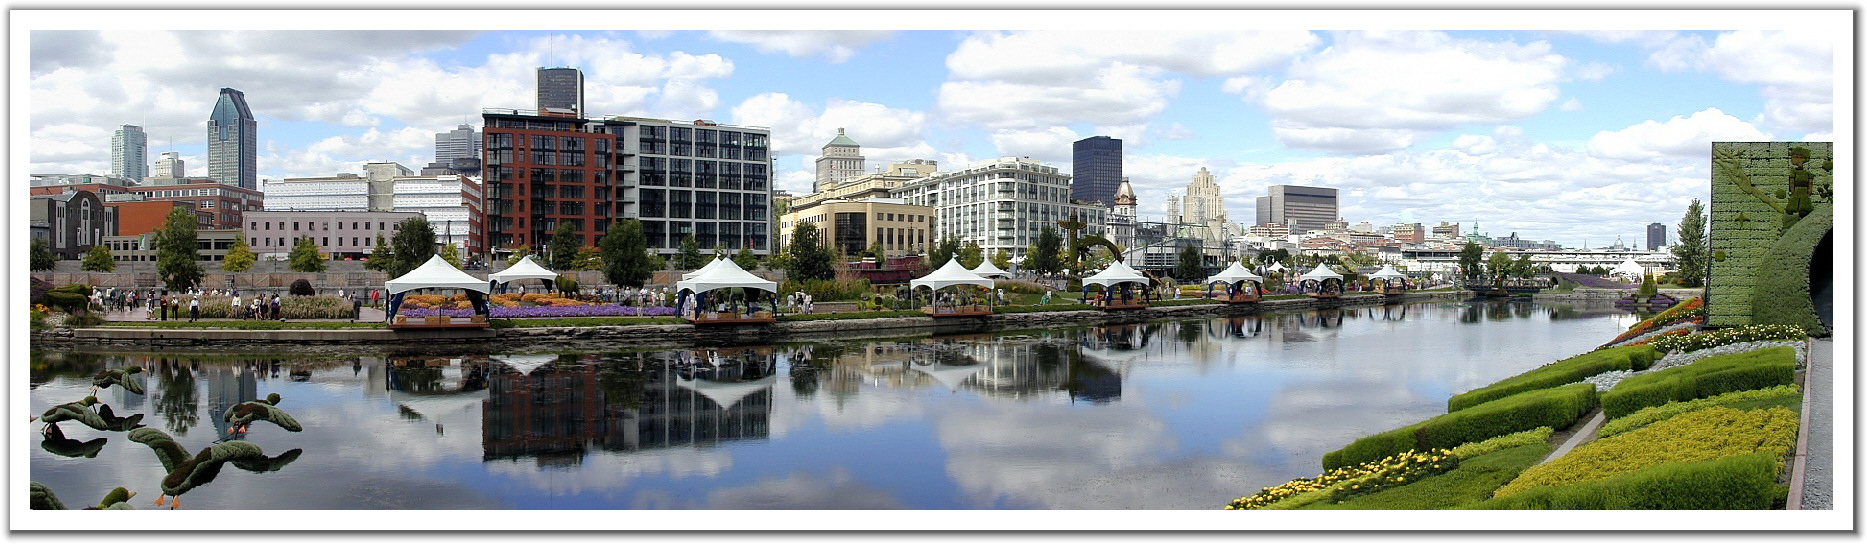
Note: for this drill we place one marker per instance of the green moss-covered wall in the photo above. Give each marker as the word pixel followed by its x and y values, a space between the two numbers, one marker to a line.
pixel 1750 191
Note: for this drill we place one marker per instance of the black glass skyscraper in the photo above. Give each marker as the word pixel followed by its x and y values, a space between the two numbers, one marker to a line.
pixel 560 89
pixel 233 142
pixel 1097 169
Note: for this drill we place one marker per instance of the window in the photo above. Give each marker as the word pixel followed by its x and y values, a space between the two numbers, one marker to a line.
pixel 255 226
pixel 325 241
pixel 354 242
pixel 294 225
pixel 353 225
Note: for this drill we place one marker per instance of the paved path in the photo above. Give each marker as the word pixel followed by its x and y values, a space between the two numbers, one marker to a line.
pixel 142 314
pixel 1818 482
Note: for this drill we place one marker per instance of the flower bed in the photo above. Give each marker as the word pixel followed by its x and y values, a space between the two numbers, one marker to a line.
pixel 1746 333
pixel 1561 372
pixel 1712 376
pixel 1704 435
pixel 1654 414
pixel 1341 483
pixel 1691 310
pixel 500 312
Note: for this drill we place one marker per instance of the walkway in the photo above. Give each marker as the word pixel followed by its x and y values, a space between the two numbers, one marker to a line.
pixel 1818 483
pixel 141 314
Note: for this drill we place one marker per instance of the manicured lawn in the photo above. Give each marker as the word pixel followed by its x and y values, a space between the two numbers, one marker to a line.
pixel 1472 482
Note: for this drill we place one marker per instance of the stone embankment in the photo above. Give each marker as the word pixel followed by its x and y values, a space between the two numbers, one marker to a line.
pixel 545 338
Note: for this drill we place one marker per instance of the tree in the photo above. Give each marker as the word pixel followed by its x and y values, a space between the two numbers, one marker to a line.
pixel 810 260
pixel 240 257
pixel 690 258
pixel 625 254
pixel 304 256
pixel 876 251
pixel 1045 259
pixel 588 258
pixel 1692 248
pixel 451 255
pixel 413 245
pixel 42 257
pixel 564 246
pixel 177 251
pixel 745 259
pixel 1522 267
pixel 1471 259
pixel 944 249
pixel 1274 256
pixel 98 260
pixel 1190 267
pixel 380 258
pixel 1002 259
pixel 970 255
pixel 1499 265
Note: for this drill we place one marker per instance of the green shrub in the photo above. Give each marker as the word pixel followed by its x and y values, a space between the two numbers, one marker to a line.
pixel 300 287
pixel 1709 376
pixel 1743 482
pixel 1472 482
pixel 36 319
pixel 1470 450
pixel 1556 408
pixel 75 288
pixel 67 302
pixel 317 307
pixel 83 320
pixel 1566 371
pixel 1654 414
pixel 1721 337
pixel 826 290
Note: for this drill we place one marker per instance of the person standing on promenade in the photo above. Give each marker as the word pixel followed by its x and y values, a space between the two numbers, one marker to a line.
pixel 163 304
pixel 275 307
pixel 236 306
pixel 194 309
pixel 356 307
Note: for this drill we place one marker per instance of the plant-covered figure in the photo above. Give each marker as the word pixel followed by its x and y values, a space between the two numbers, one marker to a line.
pixel 1801 181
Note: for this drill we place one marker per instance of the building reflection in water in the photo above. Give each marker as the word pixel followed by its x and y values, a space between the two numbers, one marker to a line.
pixel 554 408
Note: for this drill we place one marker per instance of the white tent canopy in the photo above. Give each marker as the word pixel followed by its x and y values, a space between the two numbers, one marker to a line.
pixel 702 270
pixel 1116 273
pixel 723 274
pixel 949 275
pixel 1322 272
pixel 436 274
pixel 1629 268
pixel 525 270
pixel 986 269
pixel 1387 273
pixel 1275 267
pixel 1234 274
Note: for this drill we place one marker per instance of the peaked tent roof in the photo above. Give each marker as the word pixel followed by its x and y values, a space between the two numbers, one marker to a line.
pixel 1275 266
pixel 702 270
pixel 949 275
pixel 1322 272
pixel 527 269
pixel 1387 272
pixel 986 269
pixel 436 274
pixel 724 273
pixel 1116 273
pixel 1630 268
pixel 1234 274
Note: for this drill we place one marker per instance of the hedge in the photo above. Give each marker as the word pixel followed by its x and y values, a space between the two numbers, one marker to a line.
pixel 1470 483
pixel 1556 408
pixel 1712 433
pixel 1744 482
pixel 1654 414
pixel 1781 295
pixel 1566 371
pixel 1709 376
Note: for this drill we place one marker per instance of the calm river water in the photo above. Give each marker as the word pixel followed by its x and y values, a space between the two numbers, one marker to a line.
pixel 1164 415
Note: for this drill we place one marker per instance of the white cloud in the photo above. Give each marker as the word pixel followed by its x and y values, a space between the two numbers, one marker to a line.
pixel 837 45
pixel 1680 137
pixel 1382 91
pixel 1177 132
pixel 1119 94
pixel 1069 57
pixel 1795 69
pixel 1048 145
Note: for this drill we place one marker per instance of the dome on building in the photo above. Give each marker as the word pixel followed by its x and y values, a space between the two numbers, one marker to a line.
pixel 1124 195
pixel 841 140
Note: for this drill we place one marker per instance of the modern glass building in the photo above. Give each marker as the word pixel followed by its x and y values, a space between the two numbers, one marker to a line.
pixel 233 142
pixel 1300 208
pixel 560 89
pixel 1097 165
pixel 461 143
pixel 1656 236
pixel 129 153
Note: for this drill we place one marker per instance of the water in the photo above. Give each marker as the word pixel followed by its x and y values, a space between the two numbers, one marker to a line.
pixel 1163 415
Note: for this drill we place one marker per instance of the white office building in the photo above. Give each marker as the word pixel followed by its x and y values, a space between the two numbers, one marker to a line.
pixel 1000 204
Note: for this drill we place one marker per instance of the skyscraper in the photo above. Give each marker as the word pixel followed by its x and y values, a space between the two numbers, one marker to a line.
pixel 129 153
pixel 841 160
pixel 1203 203
pixel 560 89
pixel 169 166
pixel 1300 208
pixel 1096 162
pixel 233 142
pixel 461 143
pixel 1656 236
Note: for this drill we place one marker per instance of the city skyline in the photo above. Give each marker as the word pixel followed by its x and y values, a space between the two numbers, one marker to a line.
pixel 1568 136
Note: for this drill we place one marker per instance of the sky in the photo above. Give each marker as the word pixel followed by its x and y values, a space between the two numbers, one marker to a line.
pixel 1565 132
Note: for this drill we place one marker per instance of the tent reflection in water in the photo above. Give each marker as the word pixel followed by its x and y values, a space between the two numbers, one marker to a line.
pixel 1235 278
pixel 960 302
pixel 1118 283
pixel 526 269
pixel 1328 284
pixel 437 274
pixel 723 293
